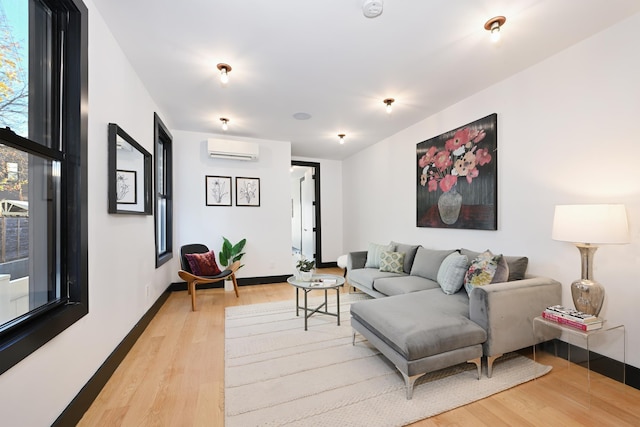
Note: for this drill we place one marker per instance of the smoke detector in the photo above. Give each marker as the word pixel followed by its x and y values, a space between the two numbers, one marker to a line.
pixel 372 8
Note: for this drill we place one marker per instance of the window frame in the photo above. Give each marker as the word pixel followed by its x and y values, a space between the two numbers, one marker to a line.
pixel 162 138
pixel 71 101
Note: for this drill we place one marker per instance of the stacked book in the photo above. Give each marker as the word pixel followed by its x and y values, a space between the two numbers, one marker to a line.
pixel 574 318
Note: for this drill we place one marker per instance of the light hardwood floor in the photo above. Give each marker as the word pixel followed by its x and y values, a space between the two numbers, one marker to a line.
pixel 174 376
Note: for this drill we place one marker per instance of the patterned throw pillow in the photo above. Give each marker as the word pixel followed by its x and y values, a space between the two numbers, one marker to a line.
pixel 481 271
pixel 373 254
pixel 452 272
pixel 203 264
pixel 392 262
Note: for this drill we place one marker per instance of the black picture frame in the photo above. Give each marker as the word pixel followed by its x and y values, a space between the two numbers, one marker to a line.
pixel 247 191
pixel 125 154
pixel 457 177
pixel 126 187
pixel 217 190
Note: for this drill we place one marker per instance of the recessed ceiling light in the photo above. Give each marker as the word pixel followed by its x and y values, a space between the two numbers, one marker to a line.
pixel 302 116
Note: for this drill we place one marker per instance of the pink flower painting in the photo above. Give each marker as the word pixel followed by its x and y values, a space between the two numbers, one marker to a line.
pixel 460 157
pixel 457 176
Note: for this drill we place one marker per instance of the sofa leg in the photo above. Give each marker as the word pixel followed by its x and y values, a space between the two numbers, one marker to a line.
pixel 353 340
pixel 409 381
pixel 478 362
pixel 490 360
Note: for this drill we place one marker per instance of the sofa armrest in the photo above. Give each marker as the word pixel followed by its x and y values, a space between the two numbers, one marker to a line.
pixel 506 311
pixel 356 260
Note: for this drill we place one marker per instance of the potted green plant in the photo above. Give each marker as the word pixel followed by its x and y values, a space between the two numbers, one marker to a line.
pixel 305 267
pixel 231 253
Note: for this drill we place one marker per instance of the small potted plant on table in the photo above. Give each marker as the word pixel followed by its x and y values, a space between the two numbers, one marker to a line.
pixel 305 267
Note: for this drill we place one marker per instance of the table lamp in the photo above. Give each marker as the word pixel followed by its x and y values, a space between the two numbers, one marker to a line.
pixel 588 226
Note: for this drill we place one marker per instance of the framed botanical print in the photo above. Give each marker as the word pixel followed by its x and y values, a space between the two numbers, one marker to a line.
pixel 218 190
pixel 247 191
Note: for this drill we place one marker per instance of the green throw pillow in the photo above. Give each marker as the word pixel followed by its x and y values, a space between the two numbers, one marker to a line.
pixel 481 270
pixel 392 262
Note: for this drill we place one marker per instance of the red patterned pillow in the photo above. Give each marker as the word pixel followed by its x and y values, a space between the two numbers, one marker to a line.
pixel 203 264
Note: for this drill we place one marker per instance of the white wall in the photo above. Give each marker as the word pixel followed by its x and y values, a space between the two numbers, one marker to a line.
pixel 121 252
pixel 331 206
pixel 567 133
pixel 267 228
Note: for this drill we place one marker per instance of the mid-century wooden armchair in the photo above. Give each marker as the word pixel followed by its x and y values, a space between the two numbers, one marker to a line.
pixel 192 280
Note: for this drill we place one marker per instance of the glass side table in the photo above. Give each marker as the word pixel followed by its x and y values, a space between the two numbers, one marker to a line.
pixel 322 282
pixel 586 348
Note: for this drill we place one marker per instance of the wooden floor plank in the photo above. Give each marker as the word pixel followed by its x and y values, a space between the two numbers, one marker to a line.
pixel 174 376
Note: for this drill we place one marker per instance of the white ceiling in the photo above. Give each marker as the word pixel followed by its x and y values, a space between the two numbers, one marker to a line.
pixel 328 60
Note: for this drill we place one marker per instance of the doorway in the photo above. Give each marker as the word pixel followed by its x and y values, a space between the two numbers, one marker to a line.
pixel 305 211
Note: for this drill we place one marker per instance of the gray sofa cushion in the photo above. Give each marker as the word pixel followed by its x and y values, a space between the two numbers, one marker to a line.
pixel 409 254
pixel 366 276
pixel 413 326
pixel 502 272
pixel 427 262
pixel 403 285
pixel 517 264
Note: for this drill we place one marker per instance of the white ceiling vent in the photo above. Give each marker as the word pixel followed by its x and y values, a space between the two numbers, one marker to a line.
pixel 235 150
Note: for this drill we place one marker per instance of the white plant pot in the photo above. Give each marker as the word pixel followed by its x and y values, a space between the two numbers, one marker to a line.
pixel 306 275
pixel 228 285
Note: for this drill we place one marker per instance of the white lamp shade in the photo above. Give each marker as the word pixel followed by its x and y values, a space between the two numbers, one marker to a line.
pixel 594 224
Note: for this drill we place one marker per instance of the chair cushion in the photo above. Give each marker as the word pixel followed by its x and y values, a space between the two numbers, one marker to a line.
pixel 203 264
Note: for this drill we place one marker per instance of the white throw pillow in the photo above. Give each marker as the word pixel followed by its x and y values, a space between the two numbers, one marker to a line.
pixel 373 254
pixel 452 271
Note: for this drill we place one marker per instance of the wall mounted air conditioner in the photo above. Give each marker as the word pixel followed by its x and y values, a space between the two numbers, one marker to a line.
pixel 236 150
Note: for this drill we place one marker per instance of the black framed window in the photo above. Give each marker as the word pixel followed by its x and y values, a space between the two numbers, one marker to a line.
pixel 163 184
pixel 43 172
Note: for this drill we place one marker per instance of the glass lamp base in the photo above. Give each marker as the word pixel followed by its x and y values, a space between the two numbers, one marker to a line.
pixel 588 296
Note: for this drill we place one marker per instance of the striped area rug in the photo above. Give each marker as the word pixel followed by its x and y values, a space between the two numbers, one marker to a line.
pixel 276 374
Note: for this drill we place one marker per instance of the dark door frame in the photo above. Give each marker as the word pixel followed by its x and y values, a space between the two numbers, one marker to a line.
pixel 318 224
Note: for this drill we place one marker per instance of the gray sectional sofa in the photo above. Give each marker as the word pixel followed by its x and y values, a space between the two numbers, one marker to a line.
pixel 420 328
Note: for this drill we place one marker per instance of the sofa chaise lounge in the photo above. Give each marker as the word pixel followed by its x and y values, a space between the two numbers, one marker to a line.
pixel 422 323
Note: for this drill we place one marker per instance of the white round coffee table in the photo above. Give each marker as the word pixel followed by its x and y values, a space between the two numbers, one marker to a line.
pixel 323 282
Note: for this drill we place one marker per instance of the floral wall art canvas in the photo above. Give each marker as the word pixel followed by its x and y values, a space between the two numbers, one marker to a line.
pixel 457 175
